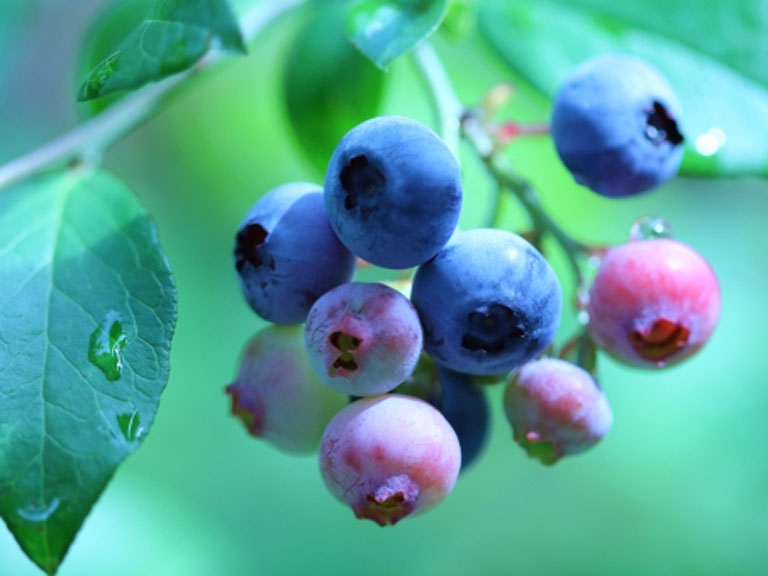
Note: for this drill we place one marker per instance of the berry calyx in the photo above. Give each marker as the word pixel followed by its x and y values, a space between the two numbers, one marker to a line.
pixel 363 338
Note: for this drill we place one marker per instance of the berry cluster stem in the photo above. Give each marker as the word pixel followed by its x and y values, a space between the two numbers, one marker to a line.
pixel 467 124
pixel 448 108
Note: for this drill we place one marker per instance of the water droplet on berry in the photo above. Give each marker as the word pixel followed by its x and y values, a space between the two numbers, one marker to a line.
pixel 106 346
pixel 650 228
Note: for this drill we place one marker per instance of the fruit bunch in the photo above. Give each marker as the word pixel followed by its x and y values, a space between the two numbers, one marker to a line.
pixel 388 383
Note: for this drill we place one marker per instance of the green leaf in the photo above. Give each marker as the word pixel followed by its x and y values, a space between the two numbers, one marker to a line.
pixel 460 21
pixel 114 23
pixel 175 35
pixel 329 86
pixel 87 312
pixel 385 29
pixel 724 95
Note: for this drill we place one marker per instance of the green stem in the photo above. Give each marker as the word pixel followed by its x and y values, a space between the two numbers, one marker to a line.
pixel 446 104
pixel 86 143
pixel 475 133
pixel 503 172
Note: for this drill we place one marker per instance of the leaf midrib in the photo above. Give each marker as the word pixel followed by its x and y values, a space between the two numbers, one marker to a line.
pixel 62 196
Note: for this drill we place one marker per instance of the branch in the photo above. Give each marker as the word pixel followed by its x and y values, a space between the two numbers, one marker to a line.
pixel 86 142
pixel 452 114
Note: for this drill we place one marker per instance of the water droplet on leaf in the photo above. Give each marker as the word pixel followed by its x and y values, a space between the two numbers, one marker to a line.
pixel 130 426
pixel 38 512
pixel 107 343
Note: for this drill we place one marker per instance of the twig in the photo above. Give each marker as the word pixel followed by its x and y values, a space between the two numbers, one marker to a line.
pixel 86 142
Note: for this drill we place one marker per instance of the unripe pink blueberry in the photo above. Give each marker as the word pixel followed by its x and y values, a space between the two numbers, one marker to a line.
pixel 556 409
pixel 389 457
pixel 277 394
pixel 363 338
pixel 653 303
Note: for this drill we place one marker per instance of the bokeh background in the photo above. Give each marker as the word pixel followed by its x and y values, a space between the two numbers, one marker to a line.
pixel 678 486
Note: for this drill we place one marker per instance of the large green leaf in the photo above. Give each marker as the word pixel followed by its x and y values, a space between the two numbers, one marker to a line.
pixel 329 86
pixel 175 35
pixel 87 312
pixel 699 47
pixel 730 32
pixel 385 29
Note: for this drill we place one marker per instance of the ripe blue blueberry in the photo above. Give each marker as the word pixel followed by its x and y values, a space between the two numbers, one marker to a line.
pixel 389 457
pixel 287 255
pixel 393 192
pixel 615 125
pixel 556 409
pixel 278 396
pixel 363 338
pixel 488 302
pixel 465 406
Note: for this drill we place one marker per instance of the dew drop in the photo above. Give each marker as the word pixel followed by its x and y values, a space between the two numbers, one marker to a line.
pixel 107 343
pixel 650 228
pixel 710 142
pixel 130 425
pixel 38 512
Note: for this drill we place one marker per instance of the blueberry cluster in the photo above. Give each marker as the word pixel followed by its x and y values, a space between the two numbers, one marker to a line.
pixel 387 384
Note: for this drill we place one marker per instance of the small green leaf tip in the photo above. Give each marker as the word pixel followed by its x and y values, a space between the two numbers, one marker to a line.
pixel 174 37
pixel 385 30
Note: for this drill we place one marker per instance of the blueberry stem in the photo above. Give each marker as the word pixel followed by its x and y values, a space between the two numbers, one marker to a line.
pixel 86 143
pixel 475 132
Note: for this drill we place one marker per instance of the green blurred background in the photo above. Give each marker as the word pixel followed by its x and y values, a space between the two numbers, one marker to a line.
pixel 678 487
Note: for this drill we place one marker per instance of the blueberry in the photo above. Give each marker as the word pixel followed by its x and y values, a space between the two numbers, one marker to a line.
pixel 277 395
pixel 653 303
pixel 393 192
pixel 363 338
pixel 465 406
pixel 459 398
pixel 615 125
pixel 287 255
pixel 389 457
pixel 488 302
pixel 556 409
